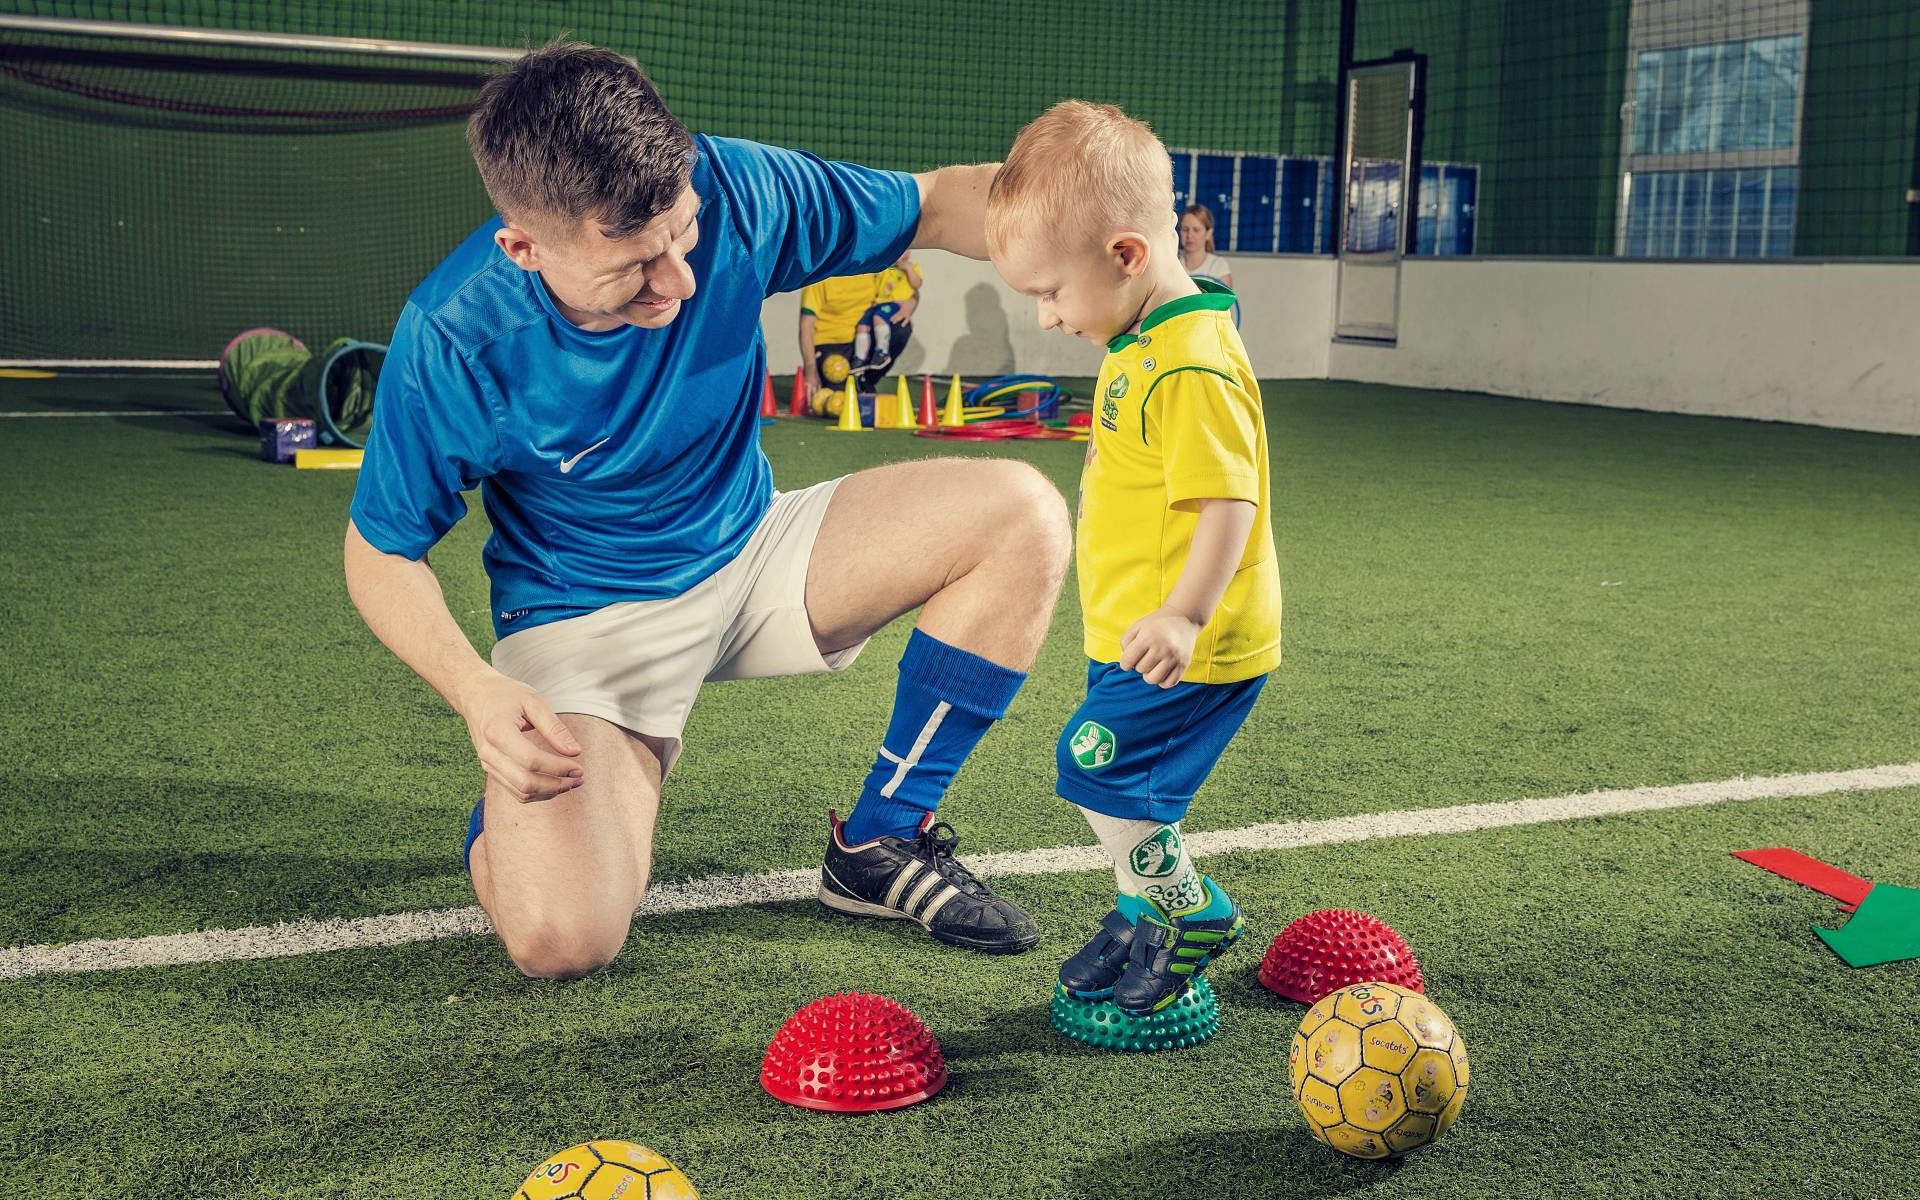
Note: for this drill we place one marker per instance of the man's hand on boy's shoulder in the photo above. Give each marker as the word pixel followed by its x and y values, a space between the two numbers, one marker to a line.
pixel 1159 646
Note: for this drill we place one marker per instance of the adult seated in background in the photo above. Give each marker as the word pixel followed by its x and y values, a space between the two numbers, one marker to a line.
pixel 830 315
pixel 1196 246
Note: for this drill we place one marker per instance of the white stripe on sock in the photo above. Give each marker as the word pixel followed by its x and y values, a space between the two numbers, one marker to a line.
pixel 912 760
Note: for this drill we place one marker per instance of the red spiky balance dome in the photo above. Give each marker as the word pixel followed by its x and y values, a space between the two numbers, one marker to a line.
pixel 1325 951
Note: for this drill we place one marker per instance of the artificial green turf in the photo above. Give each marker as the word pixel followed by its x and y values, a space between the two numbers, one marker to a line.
pixel 1646 1016
pixel 1486 599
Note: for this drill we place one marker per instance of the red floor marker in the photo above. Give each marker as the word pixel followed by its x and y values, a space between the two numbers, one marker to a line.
pixel 1824 878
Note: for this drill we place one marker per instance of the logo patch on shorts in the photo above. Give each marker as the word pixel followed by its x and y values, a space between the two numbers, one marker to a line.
pixel 1092 745
pixel 1157 855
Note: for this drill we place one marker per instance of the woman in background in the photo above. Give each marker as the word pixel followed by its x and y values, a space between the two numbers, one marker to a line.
pixel 1196 246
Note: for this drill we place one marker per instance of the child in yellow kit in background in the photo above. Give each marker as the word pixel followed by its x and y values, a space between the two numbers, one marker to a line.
pixel 1178 579
pixel 856 325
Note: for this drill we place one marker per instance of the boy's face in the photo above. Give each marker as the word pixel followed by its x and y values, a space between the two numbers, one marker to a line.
pixel 601 283
pixel 1090 291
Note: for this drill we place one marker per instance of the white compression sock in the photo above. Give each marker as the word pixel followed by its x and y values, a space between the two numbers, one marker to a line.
pixel 1150 860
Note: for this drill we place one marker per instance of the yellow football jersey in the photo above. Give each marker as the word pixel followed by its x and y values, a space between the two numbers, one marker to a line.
pixel 1177 420
pixel 837 305
pixel 894 284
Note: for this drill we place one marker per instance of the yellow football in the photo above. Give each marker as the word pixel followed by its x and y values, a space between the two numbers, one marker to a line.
pixel 1378 1070
pixel 606 1170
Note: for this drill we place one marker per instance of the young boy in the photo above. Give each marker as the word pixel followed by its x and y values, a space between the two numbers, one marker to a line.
pixel 886 328
pixel 1178 580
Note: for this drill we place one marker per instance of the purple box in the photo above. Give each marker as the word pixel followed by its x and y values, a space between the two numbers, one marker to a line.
pixel 281 436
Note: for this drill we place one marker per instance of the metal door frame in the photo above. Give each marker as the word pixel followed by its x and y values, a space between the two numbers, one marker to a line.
pixel 1413 66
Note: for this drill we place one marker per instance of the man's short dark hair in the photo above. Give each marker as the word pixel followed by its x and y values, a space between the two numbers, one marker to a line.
pixel 573 131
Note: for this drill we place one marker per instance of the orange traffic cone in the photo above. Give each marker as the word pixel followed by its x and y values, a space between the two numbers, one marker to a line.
pixel 929 417
pixel 797 407
pixel 956 414
pixel 769 407
pixel 850 411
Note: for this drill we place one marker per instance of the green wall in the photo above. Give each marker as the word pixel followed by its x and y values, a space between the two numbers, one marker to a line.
pixel 905 85
pixel 143 234
pixel 1857 150
pixel 1529 92
pixel 146 234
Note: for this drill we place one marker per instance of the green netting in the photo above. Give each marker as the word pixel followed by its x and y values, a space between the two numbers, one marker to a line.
pixel 178 194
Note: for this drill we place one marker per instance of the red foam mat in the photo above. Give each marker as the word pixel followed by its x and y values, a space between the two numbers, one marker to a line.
pixel 1824 878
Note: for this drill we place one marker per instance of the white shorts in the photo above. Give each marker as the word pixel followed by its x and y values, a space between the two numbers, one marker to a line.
pixel 640 663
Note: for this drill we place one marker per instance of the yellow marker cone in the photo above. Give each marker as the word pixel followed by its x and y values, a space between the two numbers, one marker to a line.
pixel 955 415
pixel 884 416
pixel 903 405
pixel 850 411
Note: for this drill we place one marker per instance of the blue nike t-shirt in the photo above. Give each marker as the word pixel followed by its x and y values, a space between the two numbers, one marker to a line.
pixel 626 464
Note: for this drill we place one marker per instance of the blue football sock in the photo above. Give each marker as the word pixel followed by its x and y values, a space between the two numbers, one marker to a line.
pixel 946 701
pixel 476 824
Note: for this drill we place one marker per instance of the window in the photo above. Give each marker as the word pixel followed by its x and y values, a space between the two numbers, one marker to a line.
pixel 1444 223
pixel 1710 150
pixel 1718 98
pixel 1720 212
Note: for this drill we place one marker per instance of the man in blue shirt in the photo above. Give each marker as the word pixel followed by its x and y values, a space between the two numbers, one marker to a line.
pixel 591 359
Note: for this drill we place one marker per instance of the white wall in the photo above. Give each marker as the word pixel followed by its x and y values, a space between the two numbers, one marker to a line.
pixel 1816 343
pixel 971 321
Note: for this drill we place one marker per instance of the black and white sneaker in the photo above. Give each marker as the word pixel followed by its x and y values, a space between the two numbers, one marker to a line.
pixel 920 880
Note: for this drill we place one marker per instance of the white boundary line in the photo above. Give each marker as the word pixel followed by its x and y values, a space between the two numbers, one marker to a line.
pixel 294 938
pixel 110 364
pixel 144 412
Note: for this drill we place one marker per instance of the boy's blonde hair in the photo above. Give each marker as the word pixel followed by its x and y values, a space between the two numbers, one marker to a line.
pixel 1080 171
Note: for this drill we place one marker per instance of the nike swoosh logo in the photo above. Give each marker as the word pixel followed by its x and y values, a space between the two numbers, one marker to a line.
pixel 567 464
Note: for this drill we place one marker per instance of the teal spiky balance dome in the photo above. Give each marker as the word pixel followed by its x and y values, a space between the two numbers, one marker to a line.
pixel 1188 1021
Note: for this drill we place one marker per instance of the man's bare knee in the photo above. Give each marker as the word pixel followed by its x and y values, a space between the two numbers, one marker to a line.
pixel 565 949
pixel 1033 514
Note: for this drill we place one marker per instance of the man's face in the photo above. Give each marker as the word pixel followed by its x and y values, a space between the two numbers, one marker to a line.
pixel 1089 292
pixel 600 282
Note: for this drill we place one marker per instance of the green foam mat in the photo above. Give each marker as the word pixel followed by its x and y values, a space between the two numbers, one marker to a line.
pixel 1188 1021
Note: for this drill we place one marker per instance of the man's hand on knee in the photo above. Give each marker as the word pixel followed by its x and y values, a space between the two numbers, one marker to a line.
pixel 519 741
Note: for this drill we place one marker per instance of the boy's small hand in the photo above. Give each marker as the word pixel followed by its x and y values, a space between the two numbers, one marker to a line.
pixel 1159 646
